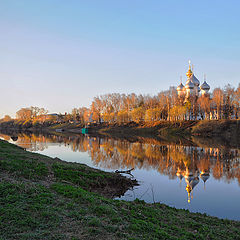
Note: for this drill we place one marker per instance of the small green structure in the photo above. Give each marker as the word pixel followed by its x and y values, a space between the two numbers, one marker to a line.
pixel 84 130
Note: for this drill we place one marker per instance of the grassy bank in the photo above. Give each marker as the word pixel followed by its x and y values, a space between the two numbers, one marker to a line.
pixel 45 198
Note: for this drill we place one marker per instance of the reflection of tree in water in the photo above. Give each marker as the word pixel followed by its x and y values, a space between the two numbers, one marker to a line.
pixel 175 160
pixel 167 159
pixel 5 137
pixel 189 162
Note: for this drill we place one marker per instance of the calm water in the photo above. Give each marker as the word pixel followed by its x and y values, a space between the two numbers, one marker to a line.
pixel 193 175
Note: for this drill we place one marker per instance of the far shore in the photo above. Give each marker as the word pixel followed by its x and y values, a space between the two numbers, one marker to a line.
pixel 227 130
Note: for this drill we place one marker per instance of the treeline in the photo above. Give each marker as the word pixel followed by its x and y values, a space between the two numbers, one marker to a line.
pixel 167 105
pixel 28 117
pixel 123 108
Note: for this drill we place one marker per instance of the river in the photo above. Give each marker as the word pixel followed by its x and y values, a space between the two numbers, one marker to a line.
pixel 191 174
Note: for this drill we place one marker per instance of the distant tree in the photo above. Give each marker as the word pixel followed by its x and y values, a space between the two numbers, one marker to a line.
pixel 228 101
pixel 96 108
pixel 137 114
pixel 188 106
pixel 218 100
pixel 36 111
pixel 181 100
pixel 153 114
pixel 204 103
pixel 7 118
pixel 109 117
pixel 236 101
pixel 68 117
pixel 81 114
pixel 171 97
pixel 195 108
pixel 122 116
pixel 75 114
pixel 86 115
pixel 115 99
pixel 24 114
pixel 149 115
pixel 30 113
pixel 162 105
pixel 177 113
pixel 95 117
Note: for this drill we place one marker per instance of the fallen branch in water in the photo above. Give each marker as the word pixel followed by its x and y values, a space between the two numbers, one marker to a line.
pixel 127 171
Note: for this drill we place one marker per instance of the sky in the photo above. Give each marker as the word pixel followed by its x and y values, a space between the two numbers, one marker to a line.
pixel 59 54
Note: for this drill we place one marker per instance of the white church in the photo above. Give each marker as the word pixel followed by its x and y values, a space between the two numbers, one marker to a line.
pixel 191 87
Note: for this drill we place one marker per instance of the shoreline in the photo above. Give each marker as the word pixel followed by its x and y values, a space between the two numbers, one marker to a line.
pixel 216 133
pixel 202 128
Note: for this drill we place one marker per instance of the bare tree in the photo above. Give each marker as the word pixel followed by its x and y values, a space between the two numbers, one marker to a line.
pixel 228 101
pixel 218 100
pixel 204 103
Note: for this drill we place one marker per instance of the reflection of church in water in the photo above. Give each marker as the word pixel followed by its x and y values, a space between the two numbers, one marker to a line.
pixel 192 179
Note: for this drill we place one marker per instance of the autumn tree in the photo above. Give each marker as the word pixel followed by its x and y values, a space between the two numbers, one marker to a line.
pixel 137 114
pixel 75 114
pixel 86 115
pixel 24 114
pixel 122 116
pixel 96 108
pixel 7 118
pixel 188 106
pixel 171 97
pixel 204 103
pixel 218 100
pixel 228 100
pixel 36 111
pixel 236 101
pixel 177 112
pixel 153 114
pixel 30 113
pixel 82 112
pixel 162 104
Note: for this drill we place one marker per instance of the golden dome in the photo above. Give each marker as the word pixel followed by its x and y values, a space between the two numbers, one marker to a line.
pixel 189 72
pixel 189 190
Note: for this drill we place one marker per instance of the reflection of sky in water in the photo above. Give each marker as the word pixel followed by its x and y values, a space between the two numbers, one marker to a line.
pixel 66 153
pixel 218 198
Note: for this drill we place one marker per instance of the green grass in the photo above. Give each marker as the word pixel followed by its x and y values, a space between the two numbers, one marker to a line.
pixel 19 162
pixel 54 202
pixel 80 175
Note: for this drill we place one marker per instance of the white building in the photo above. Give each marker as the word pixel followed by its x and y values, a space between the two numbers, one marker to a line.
pixel 191 87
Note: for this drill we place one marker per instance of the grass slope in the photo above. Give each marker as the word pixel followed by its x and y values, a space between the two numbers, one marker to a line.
pixel 45 198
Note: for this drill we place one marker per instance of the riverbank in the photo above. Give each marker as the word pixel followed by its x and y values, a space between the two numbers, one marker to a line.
pixel 215 132
pixel 228 130
pixel 46 198
pixel 224 130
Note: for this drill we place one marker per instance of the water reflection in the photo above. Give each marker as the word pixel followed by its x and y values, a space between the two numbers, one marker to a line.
pixel 191 162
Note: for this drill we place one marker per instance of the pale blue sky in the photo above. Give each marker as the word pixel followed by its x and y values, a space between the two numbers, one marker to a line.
pixel 59 54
